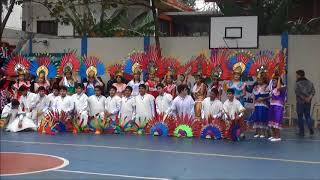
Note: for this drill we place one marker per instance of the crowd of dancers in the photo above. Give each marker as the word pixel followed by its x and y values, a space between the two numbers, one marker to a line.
pixel 146 95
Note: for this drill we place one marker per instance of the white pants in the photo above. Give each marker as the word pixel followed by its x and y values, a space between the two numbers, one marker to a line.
pixel 13 126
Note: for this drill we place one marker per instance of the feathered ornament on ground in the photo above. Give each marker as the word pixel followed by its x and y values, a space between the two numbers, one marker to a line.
pixel 187 126
pixel 213 128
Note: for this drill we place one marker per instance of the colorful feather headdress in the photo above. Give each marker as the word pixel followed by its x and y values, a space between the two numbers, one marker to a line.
pixel 261 63
pixel 218 65
pixel 116 70
pixel 91 67
pixel 43 67
pixel 240 62
pixel 17 65
pixel 69 63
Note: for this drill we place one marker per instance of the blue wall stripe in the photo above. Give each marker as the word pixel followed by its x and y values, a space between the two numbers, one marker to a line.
pixel 146 43
pixel 84 45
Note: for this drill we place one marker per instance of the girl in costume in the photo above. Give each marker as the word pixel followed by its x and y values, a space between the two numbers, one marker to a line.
pixel 4 90
pixel 237 84
pixel 261 92
pixel 261 106
pixel 119 84
pixel 68 67
pixel 277 103
pixel 239 63
pixel 136 81
pixel 170 87
pixel 91 69
pixel 43 69
pixel 152 81
pixel 199 92
pixel 216 85
pixel 18 66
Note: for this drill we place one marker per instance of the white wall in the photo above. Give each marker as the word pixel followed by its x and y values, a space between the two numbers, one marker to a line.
pixel 56 45
pixel 304 51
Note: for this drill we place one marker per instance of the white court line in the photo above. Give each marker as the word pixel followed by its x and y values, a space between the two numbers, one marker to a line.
pixel 64 164
pixel 169 151
pixel 112 175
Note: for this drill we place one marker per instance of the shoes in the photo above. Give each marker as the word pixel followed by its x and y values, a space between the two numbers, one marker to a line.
pixel 311 132
pixel 256 136
pixel 262 136
pixel 270 138
pixel 275 139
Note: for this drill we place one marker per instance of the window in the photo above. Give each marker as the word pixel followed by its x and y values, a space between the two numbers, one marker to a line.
pixel 47 27
pixel 23 26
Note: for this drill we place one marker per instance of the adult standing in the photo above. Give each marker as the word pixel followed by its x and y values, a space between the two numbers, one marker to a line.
pixel 305 91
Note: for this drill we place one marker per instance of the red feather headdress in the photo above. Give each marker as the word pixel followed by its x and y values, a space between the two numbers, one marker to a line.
pixel 115 70
pixel 277 66
pixel 261 63
pixel 17 65
pixel 69 62
pixel 219 63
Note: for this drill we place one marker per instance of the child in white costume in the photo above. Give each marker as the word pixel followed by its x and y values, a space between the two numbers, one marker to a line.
pixel 17 120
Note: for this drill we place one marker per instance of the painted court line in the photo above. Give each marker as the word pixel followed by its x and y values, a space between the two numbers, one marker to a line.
pixel 112 175
pixel 169 151
pixel 65 163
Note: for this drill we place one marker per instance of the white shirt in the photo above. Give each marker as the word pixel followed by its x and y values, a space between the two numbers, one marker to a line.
pixel 112 106
pixel 233 108
pixel 182 106
pixel 96 104
pixel 65 104
pixel 211 108
pixel 42 103
pixel 135 87
pixel 163 103
pixel 145 107
pixel 80 102
pixel 51 100
pixel 28 102
pixel 127 108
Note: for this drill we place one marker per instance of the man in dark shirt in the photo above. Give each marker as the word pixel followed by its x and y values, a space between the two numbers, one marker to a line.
pixel 305 91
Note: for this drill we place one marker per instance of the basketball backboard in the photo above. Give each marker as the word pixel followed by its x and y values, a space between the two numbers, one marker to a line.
pixel 234 32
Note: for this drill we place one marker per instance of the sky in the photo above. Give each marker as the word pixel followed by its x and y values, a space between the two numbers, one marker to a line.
pixel 15 19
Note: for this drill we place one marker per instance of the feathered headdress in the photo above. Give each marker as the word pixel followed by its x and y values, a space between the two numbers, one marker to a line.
pixel 170 66
pixel 277 66
pixel 261 63
pixel 218 65
pixel 201 65
pixel 115 70
pixel 91 67
pixel 159 127
pixel 17 65
pixel 43 67
pixel 240 62
pixel 69 63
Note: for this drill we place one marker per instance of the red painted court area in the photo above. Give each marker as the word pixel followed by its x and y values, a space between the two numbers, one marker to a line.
pixel 26 163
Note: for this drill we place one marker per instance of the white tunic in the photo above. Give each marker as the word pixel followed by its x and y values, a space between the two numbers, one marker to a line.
pixel 182 106
pixel 127 109
pixel 144 107
pixel 80 102
pixel 51 100
pixel 96 105
pixel 65 104
pixel 233 108
pixel 28 102
pixel 135 87
pixel 14 116
pixel 211 108
pixel 81 107
pixel 112 106
pixel 163 103
pixel 43 103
